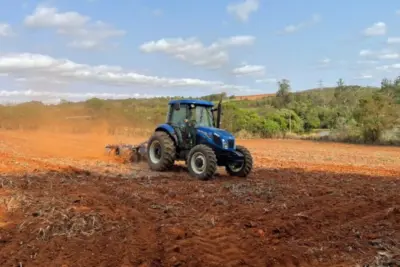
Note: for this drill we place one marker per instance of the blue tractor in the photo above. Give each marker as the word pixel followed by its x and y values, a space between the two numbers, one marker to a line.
pixel 192 134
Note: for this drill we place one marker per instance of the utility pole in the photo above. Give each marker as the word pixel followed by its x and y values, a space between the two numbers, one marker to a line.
pixel 320 84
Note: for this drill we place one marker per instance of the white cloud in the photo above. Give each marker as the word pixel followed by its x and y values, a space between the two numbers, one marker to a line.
pixel 249 70
pixel 364 77
pixel 238 40
pixel 378 28
pixel 398 12
pixel 393 40
pixel 367 62
pixel 389 56
pixel 33 66
pixel 5 30
pixel 157 12
pixel 382 54
pixel 243 9
pixel 193 51
pixel 49 17
pixel 326 61
pixel 296 27
pixel 268 80
pixel 390 67
pixel 366 52
pixel 39 79
pixel 67 95
pixel 85 44
pixel 81 28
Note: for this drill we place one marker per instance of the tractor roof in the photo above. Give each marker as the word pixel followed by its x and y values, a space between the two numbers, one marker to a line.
pixel 192 101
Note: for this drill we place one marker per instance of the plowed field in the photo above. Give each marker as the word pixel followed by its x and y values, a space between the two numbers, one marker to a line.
pixel 64 203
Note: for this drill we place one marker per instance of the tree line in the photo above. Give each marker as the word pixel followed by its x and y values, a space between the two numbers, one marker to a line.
pixel 349 113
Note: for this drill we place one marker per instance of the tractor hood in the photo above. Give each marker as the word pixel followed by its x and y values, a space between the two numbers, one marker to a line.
pixel 211 130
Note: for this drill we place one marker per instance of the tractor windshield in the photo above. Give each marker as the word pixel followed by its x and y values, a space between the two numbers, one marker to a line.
pixel 203 116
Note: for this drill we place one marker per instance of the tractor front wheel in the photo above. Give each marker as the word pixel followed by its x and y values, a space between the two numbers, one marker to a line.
pixel 244 168
pixel 161 152
pixel 202 162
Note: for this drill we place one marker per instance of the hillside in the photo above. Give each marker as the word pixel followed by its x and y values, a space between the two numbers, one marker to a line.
pixel 351 113
pixel 252 97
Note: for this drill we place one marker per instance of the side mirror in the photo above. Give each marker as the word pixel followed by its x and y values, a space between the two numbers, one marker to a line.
pixel 177 106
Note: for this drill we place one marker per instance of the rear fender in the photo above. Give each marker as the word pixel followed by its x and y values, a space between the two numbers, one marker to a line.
pixel 169 130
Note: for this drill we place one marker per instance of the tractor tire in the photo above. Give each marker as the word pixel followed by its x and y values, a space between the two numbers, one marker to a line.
pixel 161 152
pixel 202 162
pixel 243 170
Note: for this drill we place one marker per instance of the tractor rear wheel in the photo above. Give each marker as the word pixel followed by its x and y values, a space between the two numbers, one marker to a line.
pixel 202 162
pixel 161 152
pixel 241 169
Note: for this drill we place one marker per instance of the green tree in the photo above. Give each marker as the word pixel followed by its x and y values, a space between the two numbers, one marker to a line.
pixel 95 103
pixel 287 120
pixel 311 120
pixel 283 95
pixel 339 90
pixel 375 115
pixel 391 88
pixel 270 128
pixel 284 88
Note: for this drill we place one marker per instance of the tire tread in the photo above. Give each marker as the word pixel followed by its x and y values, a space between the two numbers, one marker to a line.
pixel 169 153
pixel 211 162
pixel 248 161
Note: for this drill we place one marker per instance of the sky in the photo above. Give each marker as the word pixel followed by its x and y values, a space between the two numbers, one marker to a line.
pixel 78 49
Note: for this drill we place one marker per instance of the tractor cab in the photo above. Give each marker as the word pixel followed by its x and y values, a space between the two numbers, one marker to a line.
pixel 196 112
pixel 198 122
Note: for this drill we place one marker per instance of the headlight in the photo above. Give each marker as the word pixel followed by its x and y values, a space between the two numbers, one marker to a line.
pixel 224 144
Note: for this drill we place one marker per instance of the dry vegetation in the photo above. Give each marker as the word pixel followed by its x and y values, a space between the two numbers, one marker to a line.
pixel 253 97
pixel 64 203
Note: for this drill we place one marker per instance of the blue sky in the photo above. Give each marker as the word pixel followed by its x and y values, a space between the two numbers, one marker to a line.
pixel 79 49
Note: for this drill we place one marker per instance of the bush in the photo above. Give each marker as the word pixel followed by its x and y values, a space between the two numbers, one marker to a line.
pixel 243 134
pixel 270 128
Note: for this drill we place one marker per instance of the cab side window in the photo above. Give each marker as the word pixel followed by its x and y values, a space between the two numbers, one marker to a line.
pixel 179 116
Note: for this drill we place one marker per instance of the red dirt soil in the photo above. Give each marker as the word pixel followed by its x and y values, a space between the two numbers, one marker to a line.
pixel 64 203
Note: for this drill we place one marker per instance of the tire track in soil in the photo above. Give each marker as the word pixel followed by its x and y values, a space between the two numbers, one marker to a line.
pixel 188 236
pixel 124 235
pixel 190 241
pixel 212 247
